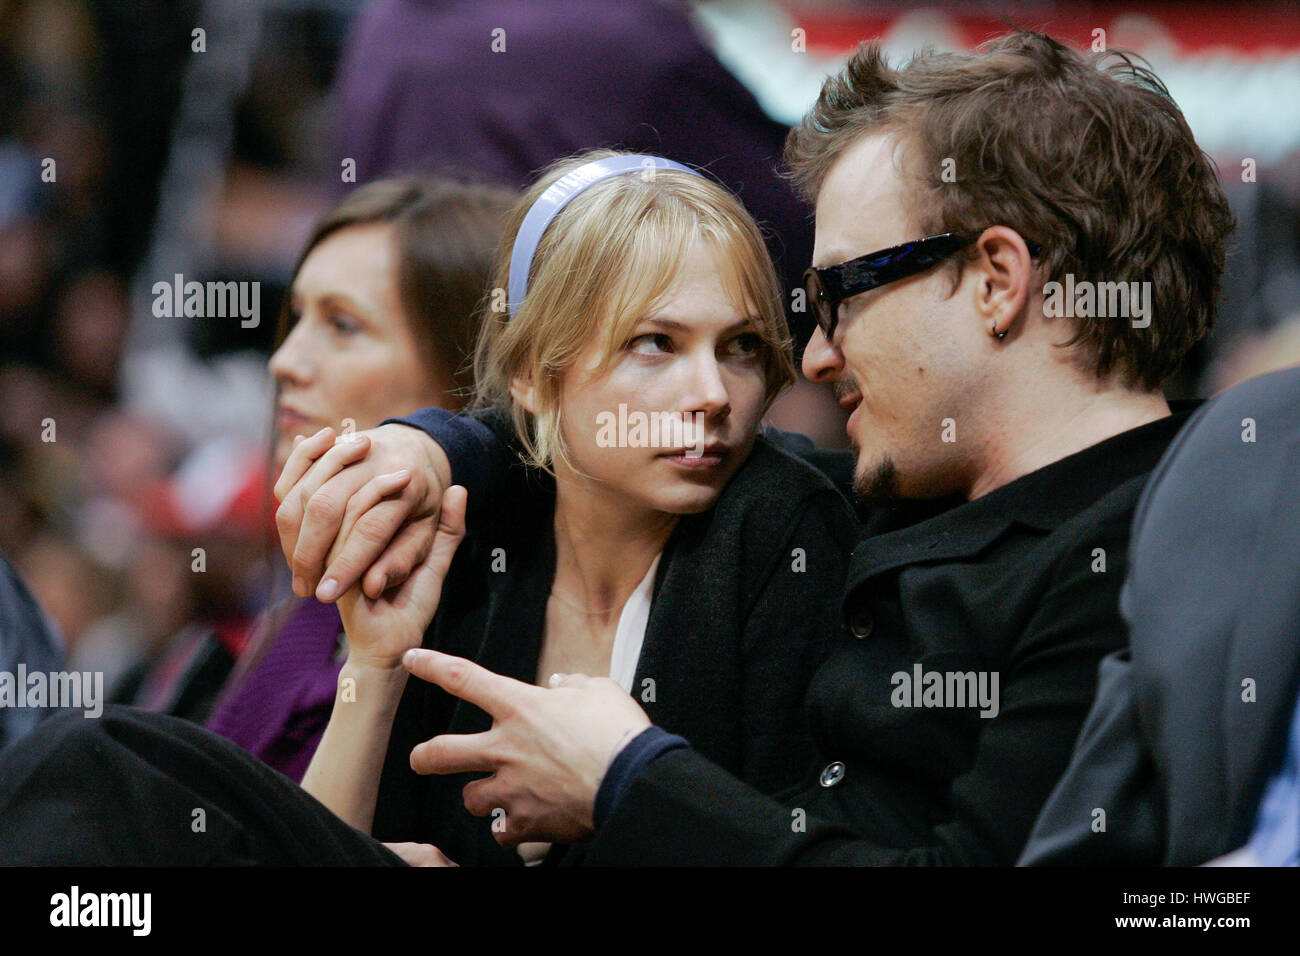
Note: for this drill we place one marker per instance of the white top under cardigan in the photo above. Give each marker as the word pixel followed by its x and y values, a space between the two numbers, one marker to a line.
pixel 629 637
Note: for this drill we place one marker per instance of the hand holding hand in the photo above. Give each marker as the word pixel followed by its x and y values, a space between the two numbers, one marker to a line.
pixel 341 499
pixel 380 630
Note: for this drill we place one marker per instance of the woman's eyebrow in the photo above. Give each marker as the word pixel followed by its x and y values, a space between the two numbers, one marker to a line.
pixel 674 324
pixel 347 302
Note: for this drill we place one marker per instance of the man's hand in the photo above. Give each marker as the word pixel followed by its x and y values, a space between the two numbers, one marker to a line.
pixel 338 501
pixel 548 749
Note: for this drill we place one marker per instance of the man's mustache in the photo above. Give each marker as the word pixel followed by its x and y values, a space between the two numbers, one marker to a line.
pixel 846 384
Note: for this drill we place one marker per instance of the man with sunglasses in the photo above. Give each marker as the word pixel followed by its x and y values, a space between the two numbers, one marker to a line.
pixel 1000 451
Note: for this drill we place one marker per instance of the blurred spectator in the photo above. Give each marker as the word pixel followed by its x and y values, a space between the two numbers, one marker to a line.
pixel 522 83
pixel 381 320
pixel 1196 721
pixel 1258 354
pixel 26 637
pixel 506 87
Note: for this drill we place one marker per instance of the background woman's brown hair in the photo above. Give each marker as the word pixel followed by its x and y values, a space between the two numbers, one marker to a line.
pixel 446 233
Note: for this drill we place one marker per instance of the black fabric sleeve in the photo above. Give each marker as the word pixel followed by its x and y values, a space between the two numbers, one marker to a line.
pixel 836 464
pixel 484 453
pixel 478 456
pixel 628 764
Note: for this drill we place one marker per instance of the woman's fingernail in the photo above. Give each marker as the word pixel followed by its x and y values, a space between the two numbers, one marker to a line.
pixel 299 586
pixel 399 474
pixel 328 590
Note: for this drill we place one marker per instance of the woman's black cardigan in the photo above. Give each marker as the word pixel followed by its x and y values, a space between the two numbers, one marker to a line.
pixel 746 603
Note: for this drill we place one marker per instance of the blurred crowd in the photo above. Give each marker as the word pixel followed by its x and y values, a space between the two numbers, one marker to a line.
pixel 129 530
pixel 140 525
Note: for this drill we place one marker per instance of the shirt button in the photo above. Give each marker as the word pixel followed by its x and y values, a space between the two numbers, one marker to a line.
pixel 833 774
pixel 860 623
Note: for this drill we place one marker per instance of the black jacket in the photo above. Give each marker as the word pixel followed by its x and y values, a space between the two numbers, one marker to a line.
pixel 743 611
pixel 1188 727
pixel 1023 583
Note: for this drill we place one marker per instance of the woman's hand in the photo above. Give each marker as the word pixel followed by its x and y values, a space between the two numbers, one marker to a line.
pixel 420 854
pixel 380 630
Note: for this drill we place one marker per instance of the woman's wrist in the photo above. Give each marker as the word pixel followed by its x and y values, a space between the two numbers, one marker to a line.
pixel 365 681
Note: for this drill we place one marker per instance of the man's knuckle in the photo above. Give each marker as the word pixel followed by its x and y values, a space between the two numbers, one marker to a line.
pixel 285 517
pixel 322 507
pixel 372 529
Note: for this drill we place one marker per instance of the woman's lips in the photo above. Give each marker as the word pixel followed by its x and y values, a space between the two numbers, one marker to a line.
pixel 290 422
pixel 698 459
pixel 694 462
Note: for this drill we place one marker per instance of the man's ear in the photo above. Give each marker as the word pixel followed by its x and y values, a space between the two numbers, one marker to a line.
pixel 522 391
pixel 1006 274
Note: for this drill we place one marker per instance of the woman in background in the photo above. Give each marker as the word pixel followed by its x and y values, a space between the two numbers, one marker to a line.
pixel 380 319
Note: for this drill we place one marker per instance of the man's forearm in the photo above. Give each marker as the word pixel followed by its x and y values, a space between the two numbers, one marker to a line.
pixel 463 450
pixel 684 810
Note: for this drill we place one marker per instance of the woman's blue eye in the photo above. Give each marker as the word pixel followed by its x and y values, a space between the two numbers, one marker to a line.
pixel 652 343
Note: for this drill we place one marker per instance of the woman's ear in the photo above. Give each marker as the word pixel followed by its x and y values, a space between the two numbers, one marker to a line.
pixel 522 391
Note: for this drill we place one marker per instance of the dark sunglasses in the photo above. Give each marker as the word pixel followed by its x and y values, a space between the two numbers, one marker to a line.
pixel 828 286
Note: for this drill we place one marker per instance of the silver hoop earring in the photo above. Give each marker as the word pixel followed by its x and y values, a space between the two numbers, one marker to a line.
pixel 999 335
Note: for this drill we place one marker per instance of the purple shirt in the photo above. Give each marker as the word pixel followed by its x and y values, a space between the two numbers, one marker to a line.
pixel 279 709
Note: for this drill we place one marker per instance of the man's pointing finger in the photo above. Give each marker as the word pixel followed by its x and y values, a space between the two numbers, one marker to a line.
pixel 495 694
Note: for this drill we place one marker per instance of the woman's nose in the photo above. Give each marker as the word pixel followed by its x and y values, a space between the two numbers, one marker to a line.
pixel 708 390
pixel 290 362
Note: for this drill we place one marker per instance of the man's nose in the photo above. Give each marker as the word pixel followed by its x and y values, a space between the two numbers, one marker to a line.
pixel 822 361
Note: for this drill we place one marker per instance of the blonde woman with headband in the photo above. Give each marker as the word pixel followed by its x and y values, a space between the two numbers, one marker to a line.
pixel 699 572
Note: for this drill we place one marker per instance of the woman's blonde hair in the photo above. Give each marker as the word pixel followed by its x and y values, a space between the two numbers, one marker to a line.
pixel 603 262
